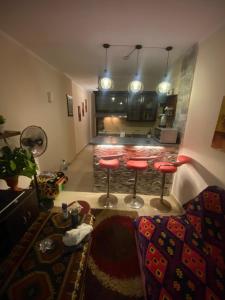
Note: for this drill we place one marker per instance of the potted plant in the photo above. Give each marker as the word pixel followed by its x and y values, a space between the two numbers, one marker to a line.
pixel 2 122
pixel 15 162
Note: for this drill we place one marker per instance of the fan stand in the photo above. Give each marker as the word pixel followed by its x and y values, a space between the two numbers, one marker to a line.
pixel 36 187
pixel 30 138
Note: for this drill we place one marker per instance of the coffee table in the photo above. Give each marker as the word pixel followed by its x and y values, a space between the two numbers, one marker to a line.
pixel 27 273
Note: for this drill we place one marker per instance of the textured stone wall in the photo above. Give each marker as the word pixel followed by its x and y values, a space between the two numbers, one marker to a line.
pixel 181 76
pixel 122 179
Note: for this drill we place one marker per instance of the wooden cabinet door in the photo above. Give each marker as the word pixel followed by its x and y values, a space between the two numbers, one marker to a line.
pixel 142 107
pixel 149 106
pixel 22 216
pixel 111 102
pixel 134 107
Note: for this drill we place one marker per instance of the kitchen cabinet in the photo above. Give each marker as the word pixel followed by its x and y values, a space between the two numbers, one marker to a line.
pixel 142 107
pixel 111 102
pixel 136 107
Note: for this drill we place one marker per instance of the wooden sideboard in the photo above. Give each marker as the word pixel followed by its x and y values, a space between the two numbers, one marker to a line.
pixel 18 211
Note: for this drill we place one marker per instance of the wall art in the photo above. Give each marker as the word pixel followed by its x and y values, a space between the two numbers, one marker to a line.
pixel 83 109
pixel 218 141
pixel 69 100
pixel 79 113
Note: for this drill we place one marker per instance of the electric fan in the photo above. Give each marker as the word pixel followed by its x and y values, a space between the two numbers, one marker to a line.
pixel 34 139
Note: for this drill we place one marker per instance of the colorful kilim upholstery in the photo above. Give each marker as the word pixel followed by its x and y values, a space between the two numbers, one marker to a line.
pixel 183 257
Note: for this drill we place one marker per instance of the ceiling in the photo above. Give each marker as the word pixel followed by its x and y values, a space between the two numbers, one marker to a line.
pixel 69 33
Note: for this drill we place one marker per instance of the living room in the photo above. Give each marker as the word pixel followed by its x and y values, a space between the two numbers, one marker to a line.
pixel 43 65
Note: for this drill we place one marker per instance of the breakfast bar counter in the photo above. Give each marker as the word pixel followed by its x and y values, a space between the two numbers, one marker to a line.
pixel 127 140
pixel 149 181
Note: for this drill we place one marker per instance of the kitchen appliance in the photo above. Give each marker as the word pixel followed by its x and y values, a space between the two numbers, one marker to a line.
pixel 165 135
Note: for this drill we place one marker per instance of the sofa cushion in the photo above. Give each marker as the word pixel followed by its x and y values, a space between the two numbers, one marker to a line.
pixel 175 260
pixel 206 213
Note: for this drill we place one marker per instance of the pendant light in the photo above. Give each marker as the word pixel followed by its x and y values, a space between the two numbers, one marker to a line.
pixel 105 82
pixel 136 86
pixel 165 85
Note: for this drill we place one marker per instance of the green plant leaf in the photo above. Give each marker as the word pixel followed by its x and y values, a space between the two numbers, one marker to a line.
pixel 12 165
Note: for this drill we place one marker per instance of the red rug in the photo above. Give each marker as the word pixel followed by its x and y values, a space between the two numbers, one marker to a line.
pixel 113 270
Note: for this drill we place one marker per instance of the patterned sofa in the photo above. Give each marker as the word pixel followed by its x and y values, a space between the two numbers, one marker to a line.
pixel 183 257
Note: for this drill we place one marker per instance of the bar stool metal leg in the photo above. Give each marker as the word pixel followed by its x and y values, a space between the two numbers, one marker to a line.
pixel 108 200
pixel 160 203
pixel 134 201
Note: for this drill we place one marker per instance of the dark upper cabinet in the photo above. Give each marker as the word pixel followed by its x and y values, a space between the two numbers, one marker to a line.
pixel 111 102
pixel 142 107
pixel 138 107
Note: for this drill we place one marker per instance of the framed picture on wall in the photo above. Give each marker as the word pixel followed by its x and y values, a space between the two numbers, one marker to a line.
pixel 85 105
pixel 69 100
pixel 218 141
pixel 83 109
pixel 79 113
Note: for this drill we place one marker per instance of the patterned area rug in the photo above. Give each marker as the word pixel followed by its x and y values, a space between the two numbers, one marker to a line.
pixel 113 270
pixel 28 273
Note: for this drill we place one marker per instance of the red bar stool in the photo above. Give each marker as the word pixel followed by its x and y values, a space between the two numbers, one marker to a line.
pixel 110 162
pixel 167 167
pixel 136 164
pixel 163 167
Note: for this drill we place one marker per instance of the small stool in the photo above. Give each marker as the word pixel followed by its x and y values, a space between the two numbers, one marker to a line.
pixel 163 167
pixel 133 200
pixel 109 163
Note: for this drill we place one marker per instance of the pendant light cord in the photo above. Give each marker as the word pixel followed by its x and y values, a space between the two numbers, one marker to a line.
pixel 137 63
pixel 106 59
pixel 168 49
pixel 106 46
pixel 167 63
pixel 138 47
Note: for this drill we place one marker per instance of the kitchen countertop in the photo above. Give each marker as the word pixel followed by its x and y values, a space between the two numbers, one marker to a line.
pixel 134 141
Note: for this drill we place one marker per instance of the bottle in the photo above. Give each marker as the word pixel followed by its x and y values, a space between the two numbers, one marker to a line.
pixel 74 217
pixel 163 120
pixel 64 166
pixel 64 211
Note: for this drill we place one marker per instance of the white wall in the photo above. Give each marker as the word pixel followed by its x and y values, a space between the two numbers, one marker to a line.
pixel 25 81
pixel 208 166
pixel 82 128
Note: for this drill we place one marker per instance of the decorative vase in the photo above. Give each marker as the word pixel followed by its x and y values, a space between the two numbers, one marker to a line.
pixel 12 182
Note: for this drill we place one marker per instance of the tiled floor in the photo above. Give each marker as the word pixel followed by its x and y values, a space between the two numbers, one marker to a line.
pixel 80 187
pixel 80 172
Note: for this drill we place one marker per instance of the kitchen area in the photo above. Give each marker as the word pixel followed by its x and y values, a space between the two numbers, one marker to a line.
pixel 135 119
pixel 134 125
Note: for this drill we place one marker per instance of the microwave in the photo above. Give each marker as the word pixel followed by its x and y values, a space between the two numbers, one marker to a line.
pixel 165 135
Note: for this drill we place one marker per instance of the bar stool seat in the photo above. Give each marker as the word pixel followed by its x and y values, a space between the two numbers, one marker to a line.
pixel 136 164
pixel 182 159
pixel 164 167
pixel 109 163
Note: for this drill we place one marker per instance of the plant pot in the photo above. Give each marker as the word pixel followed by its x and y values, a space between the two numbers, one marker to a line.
pixel 12 182
pixel 2 127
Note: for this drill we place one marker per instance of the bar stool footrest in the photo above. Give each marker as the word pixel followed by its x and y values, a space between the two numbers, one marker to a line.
pixel 161 205
pixel 134 202
pixel 107 202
